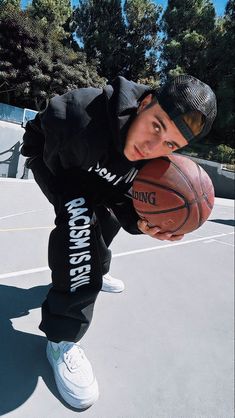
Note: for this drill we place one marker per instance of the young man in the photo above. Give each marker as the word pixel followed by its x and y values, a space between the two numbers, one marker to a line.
pixel 85 150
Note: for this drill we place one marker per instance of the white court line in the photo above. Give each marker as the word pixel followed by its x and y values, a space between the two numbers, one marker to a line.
pixel 23 272
pixel 26 229
pixel 174 244
pixel 225 243
pixel 20 213
pixel 159 247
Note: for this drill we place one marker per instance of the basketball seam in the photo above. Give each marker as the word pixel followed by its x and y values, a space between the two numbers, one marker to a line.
pixel 197 198
pixel 172 190
pixel 161 187
pixel 200 204
pixel 181 225
pixel 204 193
pixel 163 211
pixel 193 189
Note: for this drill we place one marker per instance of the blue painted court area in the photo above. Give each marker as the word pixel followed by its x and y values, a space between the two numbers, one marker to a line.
pixel 161 349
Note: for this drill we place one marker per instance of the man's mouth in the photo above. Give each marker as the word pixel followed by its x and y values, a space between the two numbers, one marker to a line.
pixel 138 152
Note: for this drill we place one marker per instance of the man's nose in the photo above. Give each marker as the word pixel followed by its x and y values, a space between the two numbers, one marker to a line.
pixel 151 145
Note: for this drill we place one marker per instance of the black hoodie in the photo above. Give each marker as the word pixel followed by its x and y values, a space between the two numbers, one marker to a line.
pixel 84 130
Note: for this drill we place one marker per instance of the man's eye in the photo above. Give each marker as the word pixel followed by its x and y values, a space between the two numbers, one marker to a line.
pixel 157 128
pixel 170 145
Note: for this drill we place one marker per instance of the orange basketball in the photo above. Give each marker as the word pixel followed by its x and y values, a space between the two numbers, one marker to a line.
pixel 174 193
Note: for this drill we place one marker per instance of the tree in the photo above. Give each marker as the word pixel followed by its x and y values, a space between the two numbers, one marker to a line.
pixel 15 4
pixel 197 43
pixel 100 27
pixel 19 40
pixel 142 41
pixel 34 67
pixel 124 44
pixel 221 54
pixel 53 14
pixel 188 26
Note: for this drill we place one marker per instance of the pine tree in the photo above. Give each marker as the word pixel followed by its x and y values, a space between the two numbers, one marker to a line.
pixel 221 55
pixel 100 27
pixel 187 26
pixel 141 28
pixel 14 4
pixel 54 14
pixel 34 67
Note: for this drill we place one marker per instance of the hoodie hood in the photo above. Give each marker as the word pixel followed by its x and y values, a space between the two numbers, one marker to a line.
pixel 85 126
pixel 123 101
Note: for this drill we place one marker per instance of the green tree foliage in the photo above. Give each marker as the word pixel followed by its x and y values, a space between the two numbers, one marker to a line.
pixel 222 57
pixel 54 14
pixel 187 26
pixel 210 151
pixel 225 154
pixel 142 41
pixel 124 44
pixel 197 43
pixel 12 3
pixel 35 67
pixel 100 26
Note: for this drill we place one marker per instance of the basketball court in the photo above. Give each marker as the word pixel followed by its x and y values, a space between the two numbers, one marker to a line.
pixel 161 349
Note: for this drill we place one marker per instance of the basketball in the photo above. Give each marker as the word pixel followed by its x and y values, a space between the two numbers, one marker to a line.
pixel 174 193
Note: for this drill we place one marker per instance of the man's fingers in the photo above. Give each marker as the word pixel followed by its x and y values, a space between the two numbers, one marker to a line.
pixel 176 237
pixel 169 237
pixel 146 229
pixel 154 232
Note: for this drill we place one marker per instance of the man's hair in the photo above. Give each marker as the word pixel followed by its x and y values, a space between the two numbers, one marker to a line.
pixel 195 121
pixel 190 103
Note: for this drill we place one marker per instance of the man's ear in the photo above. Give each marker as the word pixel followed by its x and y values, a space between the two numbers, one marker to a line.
pixel 145 102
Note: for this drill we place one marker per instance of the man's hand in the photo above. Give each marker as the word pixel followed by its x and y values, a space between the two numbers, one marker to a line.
pixel 154 232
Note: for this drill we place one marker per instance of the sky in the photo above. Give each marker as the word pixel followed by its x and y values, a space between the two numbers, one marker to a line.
pixel 219 4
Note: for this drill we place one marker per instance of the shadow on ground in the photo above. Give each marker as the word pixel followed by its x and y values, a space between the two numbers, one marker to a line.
pixel 229 222
pixel 22 354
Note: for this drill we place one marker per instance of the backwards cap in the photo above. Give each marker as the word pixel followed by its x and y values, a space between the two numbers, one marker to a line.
pixel 184 94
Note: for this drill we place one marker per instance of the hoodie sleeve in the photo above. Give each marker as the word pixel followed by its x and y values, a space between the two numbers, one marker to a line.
pixel 51 136
pixel 59 133
pixel 33 138
pixel 127 216
pixel 63 123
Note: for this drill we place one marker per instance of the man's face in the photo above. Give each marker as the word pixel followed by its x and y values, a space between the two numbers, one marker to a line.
pixel 152 133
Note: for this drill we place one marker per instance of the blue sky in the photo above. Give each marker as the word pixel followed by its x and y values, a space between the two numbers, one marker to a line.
pixel 219 4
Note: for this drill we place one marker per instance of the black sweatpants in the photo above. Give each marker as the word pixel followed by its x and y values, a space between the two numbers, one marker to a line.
pixel 78 256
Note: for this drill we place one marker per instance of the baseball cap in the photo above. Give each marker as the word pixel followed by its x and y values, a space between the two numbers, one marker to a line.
pixel 184 94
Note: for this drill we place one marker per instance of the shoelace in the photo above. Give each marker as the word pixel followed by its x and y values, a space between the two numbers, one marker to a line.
pixel 73 354
pixel 108 277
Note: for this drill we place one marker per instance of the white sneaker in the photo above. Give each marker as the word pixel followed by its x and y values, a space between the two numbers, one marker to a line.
pixel 110 284
pixel 73 374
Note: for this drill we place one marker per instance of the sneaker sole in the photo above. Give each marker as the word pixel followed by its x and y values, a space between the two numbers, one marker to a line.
pixel 112 289
pixel 74 402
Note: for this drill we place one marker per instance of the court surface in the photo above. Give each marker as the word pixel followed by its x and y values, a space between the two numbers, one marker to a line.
pixel 161 349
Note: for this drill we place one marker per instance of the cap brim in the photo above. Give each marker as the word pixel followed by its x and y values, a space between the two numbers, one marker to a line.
pixel 183 128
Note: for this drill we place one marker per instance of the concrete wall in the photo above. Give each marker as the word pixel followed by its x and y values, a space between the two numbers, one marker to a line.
pixel 11 161
pixel 222 179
